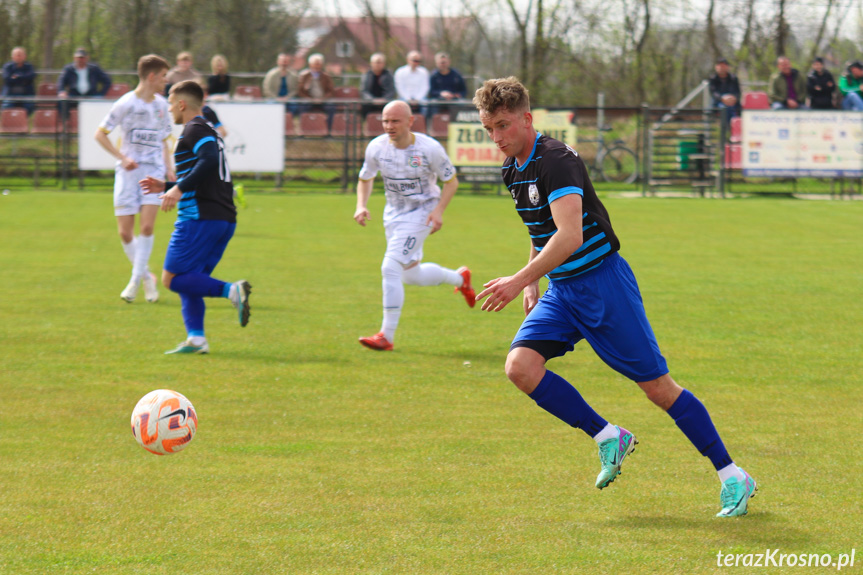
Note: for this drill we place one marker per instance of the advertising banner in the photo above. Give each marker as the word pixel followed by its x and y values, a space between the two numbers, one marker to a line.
pixel 255 142
pixel 823 143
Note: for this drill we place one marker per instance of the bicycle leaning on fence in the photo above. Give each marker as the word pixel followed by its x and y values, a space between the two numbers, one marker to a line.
pixel 613 162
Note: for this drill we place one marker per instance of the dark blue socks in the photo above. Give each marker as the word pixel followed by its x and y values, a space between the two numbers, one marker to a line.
pixel 557 396
pixel 692 418
pixel 193 287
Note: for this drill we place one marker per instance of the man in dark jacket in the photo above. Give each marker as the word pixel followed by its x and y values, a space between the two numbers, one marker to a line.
pixel 82 78
pixel 378 87
pixel 19 76
pixel 820 86
pixel 725 89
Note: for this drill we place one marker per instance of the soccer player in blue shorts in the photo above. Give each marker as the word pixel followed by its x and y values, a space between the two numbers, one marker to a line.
pixel 592 294
pixel 206 217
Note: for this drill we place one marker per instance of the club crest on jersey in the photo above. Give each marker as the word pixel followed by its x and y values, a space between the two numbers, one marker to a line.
pixel 415 161
pixel 533 194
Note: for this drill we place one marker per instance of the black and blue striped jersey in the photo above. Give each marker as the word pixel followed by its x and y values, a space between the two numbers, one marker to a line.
pixel 203 175
pixel 552 171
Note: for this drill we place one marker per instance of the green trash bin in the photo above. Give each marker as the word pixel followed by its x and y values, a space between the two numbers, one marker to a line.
pixel 684 149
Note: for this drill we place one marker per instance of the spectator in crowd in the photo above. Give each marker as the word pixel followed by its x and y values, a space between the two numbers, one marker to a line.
pixel 81 79
pixel 725 89
pixel 280 83
pixel 314 83
pixel 850 86
pixel 19 77
pixel 820 86
pixel 445 83
pixel 787 87
pixel 182 71
pixel 412 81
pixel 219 84
pixel 378 85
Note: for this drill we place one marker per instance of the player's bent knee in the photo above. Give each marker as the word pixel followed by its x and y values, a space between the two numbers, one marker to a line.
pixel 662 391
pixel 392 268
pixel 167 278
pixel 525 368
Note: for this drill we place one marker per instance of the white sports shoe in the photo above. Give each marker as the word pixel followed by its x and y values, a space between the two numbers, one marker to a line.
pixel 130 292
pixel 151 292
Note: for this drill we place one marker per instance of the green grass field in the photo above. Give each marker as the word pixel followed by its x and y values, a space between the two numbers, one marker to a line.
pixel 315 455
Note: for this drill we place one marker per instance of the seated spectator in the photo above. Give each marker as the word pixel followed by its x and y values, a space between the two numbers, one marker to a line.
pixel 280 83
pixel 412 81
pixel 446 83
pixel 81 79
pixel 314 83
pixel 787 87
pixel 219 84
pixel 378 85
pixel 182 71
pixel 820 86
pixel 725 89
pixel 19 77
pixel 850 86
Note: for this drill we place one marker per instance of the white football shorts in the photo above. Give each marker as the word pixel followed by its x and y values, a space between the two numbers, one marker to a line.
pixel 405 241
pixel 128 195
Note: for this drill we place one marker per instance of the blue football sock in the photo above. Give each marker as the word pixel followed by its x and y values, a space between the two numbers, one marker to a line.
pixel 197 284
pixel 193 314
pixel 692 418
pixel 557 396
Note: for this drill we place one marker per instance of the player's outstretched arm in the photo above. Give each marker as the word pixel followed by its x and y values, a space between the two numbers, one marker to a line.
pixel 435 219
pixel 364 191
pixel 566 212
pixel 152 185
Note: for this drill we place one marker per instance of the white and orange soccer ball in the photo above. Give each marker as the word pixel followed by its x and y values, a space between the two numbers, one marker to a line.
pixel 164 422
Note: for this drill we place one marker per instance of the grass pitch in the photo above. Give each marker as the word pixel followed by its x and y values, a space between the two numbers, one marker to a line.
pixel 315 455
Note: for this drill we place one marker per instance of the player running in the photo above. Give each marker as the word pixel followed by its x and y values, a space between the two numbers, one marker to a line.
pixel 410 165
pixel 142 116
pixel 592 294
pixel 206 217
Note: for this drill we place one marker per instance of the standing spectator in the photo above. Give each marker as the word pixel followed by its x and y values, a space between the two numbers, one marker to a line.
pixel 219 84
pixel 182 71
pixel 849 85
pixel 83 79
pixel 412 81
pixel 378 85
pixel 446 83
pixel 19 77
pixel 820 86
pixel 280 82
pixel 725 89
pixel 787 88
pixel 315 84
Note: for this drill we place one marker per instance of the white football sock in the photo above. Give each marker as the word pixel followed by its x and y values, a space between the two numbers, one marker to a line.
pixel 197 340
pixel 142 256
pixel 129 250
pixel 608 432
pixel 394 297
pixel 730 471
pixel 431 275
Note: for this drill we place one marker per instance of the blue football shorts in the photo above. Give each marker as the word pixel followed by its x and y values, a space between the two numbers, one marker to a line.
pixel 197 245
pixel 604 307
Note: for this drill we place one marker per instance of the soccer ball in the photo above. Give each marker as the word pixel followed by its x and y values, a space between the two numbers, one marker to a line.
pixel 164 422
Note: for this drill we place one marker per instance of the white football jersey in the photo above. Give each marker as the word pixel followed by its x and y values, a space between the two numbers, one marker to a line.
pixel 410 175
pixel 144 125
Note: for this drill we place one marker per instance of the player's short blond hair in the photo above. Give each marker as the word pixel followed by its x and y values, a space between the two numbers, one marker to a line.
pixel 502 94
pixel 151 63
pixel 189 91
